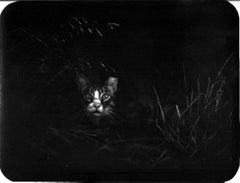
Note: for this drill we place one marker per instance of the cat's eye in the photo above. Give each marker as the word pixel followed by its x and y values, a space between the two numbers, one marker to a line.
pixel 88 97
pixel 105 97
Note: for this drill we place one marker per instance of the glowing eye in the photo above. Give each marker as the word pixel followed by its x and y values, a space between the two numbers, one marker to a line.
pixel 88 97
pixel 106 97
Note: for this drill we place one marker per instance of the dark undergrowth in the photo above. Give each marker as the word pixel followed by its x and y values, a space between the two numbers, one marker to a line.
pixel 198 127
pixel 198 130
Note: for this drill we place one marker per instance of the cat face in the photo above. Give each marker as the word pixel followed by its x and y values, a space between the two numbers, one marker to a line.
pixel 98 100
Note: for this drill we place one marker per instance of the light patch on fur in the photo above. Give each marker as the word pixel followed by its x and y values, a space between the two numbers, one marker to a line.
pixel 96 105
pixel 96 95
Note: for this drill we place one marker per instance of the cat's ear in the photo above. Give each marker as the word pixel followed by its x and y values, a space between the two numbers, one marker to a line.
pixel 82 82
pixel 112 83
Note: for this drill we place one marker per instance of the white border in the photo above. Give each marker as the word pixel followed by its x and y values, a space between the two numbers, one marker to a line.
pixel 236 178
pixel 3 4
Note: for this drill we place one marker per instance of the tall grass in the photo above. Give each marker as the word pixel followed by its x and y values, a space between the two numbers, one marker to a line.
pixel 197 129
pixel 201 128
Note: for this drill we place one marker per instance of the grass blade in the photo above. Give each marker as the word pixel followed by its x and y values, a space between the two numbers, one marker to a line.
pixel 159 105
pixel 178 112
pixel 190 105
pixel 220 71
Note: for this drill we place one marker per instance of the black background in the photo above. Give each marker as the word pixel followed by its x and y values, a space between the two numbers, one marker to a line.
pixel 162 35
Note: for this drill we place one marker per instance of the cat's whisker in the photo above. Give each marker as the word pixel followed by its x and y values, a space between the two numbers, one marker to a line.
pixel 116 114
pixel 110 116
pixel 111 112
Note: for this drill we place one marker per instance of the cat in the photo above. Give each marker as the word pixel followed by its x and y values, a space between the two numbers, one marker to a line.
pixel 98 100
pixel 131 111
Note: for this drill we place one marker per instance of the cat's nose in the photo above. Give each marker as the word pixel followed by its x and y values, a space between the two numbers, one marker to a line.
pixel 97 104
